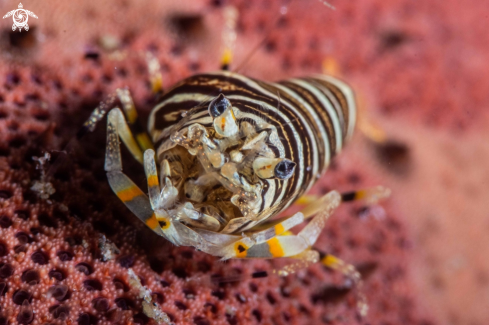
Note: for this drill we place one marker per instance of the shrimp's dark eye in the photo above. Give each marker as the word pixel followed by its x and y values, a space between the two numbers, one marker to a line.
pixel 284 169
pixel 219 105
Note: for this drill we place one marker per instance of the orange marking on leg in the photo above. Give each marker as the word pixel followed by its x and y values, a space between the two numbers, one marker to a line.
pixel 275 247
pixel 152 223
pixel 129 194
pixel 153 181
pixel 279 229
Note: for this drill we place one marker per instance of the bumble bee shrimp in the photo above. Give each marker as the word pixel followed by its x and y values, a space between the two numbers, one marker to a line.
pixel 224 154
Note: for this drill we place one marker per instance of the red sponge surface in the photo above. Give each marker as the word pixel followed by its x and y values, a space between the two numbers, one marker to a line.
pixel 54 263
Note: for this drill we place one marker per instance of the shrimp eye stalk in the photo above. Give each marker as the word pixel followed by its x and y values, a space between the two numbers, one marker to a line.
pixel 284 169
pixel 219 105
pixel 281 168
pixel 224 120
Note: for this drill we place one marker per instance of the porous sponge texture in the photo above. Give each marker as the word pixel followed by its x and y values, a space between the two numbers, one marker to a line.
pixel 52 265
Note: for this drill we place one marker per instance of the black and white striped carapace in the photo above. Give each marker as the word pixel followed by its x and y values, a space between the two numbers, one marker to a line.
pixel 298 125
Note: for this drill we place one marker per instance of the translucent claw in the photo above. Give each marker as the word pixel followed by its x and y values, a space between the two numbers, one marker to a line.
pixel 168 194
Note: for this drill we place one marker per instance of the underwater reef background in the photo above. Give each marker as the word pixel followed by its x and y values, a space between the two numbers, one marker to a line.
pixel 421 74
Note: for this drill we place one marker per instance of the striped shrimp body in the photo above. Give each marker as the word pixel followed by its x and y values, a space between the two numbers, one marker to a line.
pixel 253 147
pixel 231 153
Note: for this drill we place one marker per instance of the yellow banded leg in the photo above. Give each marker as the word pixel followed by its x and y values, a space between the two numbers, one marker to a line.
pixel 322 209
pixel 314 203
pixel 369 195
pixel 229 36
pixel 152 178
pixel 264 239
pixel 159 197
pixel 310 233
pixel 274 228
pixel 154 70
pixel 117 121
pixel 134 199
pixel 141 136
pixel 278 246
pixel 128 192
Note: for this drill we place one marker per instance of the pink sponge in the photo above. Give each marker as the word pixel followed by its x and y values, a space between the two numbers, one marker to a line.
pixel 69 258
